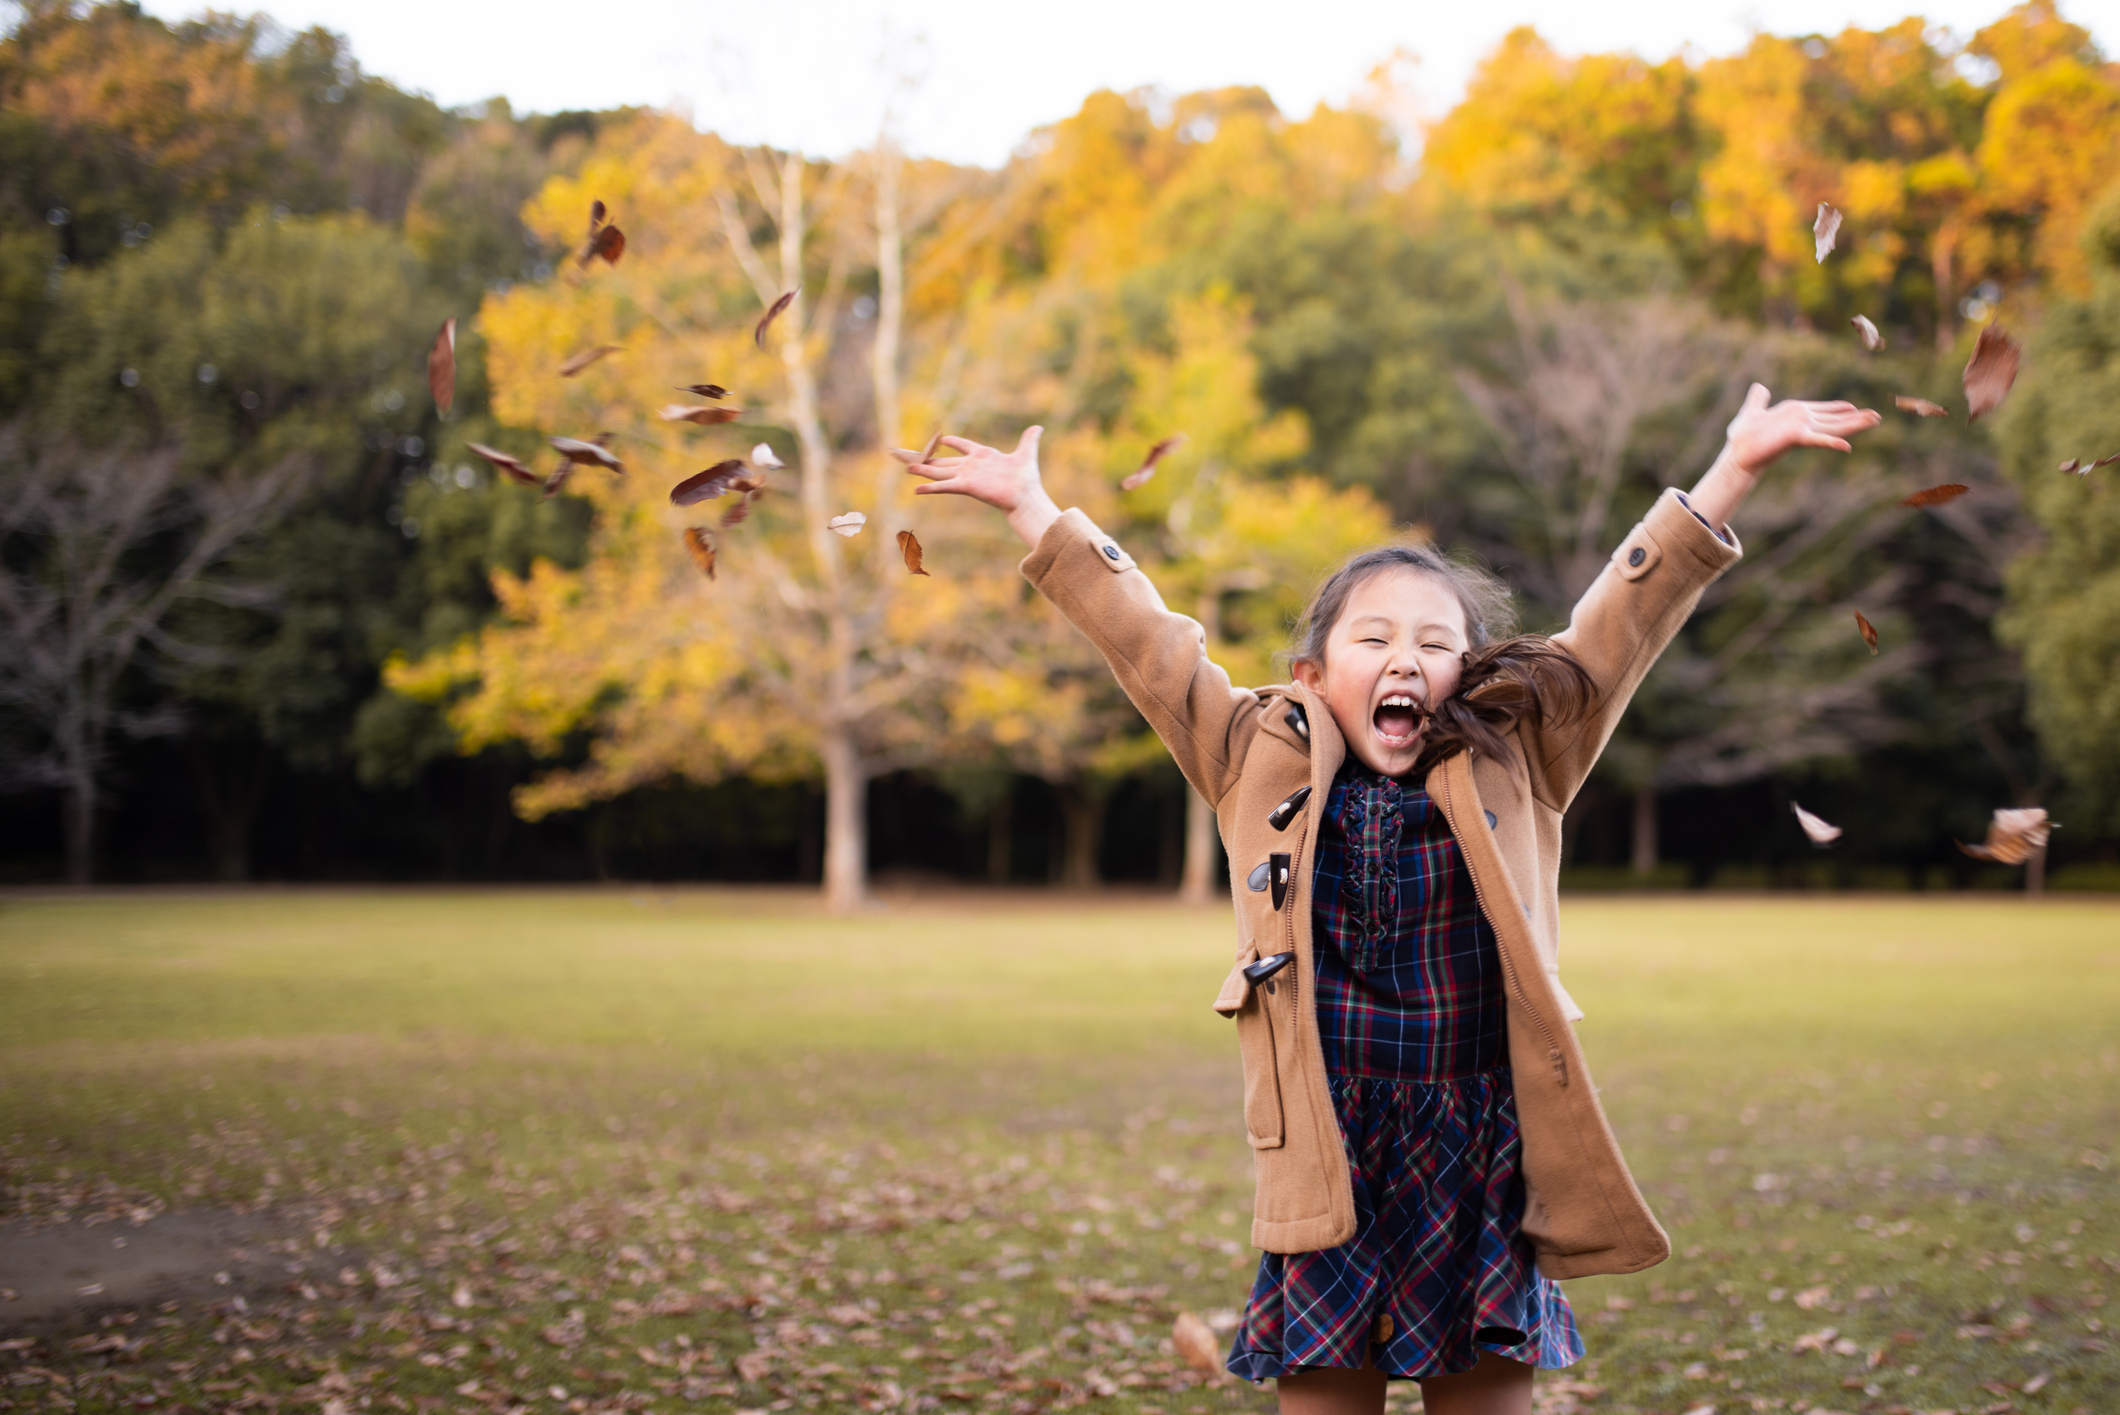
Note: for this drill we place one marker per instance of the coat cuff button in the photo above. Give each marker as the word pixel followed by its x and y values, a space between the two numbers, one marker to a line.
pixel 1634 557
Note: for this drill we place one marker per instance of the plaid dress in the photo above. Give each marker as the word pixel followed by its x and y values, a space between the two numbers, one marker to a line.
pixel 1411 1015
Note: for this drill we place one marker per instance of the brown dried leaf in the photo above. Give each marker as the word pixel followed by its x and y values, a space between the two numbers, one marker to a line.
pixel 1991 371
pixel 1825 231
pixel 1936 495
pixel 737 514
pixel 2013 836
pixel 606 243
pixel 1871 339
pixel 909 547
pixel 587 454
pixel 1196 1344
pixel 510 467
pixel 2107 461
pixel 700 546
pixel 703 390
pixel 758 335
pixel 596 215
pixel 1821 834
pixel 2079 468
pixel 1157 453
pixel 558 479
pixel 706 485
pixel 1920 407
pixel 441 366
pixel 705 417
pixel 586 357
pixel 1869 631
pixel 848 525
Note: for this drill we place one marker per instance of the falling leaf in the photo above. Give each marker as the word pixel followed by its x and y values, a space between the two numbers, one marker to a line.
pixel 586 454
pixel 511 467
pixel 1869 631
pixel 596 215
pixel 1936 495
pixel 848 525
pixel 758 335
pixel 2081 469
pixel 762 455
pixel 2107 461
pixel 706 485
pixel 608 243
pixel 1920 407
pixel 1825 230
pixel 913 459
pixel 441 366
pixel 558 479
pixel 736 514
pixel 1990 372
pixel 705 417
pixel 703 390
pixel 1196 1344
pixel 1148 464
pixel 909 547
pixel 1821 834
pixel 701 549
pixel 2013 835
pixel 585 358
pixel 1871 339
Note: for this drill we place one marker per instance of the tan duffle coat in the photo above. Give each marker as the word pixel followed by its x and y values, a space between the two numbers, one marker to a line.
pixel 1250 752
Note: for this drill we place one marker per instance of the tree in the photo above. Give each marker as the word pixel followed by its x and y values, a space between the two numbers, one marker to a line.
pixel 806 647
pixel 1594 406
pixel 2064 593
pixel 98 549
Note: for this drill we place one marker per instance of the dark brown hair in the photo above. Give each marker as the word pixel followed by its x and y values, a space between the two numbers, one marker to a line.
pixel 1507 677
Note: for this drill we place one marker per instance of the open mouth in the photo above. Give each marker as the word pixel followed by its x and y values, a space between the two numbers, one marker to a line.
pixel 1397 720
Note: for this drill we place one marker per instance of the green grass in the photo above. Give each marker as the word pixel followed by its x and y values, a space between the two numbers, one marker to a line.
pixel 975 1154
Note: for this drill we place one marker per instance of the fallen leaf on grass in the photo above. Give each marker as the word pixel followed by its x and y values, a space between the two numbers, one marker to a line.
pixel 1869 631
pixel 1936 495
pixel 1825 231
pixel 909 547
pixel 2013 835
pixel 758 335
pixel 703 390
pixel 586 357
pixel 1157 453
pixel 1871 339
pixel 762 455
pixel 511 467
pixel 706 485
pixel 441 366
pixel 2037 1383
pixel 1822 834
pixel 701 549
pixel 848 525
pixel 705 417
pixel 586 454
pixel 1920 407
pixel 462 1296
pixel 1990 372
pixel 1196 1344
pixel 752 1366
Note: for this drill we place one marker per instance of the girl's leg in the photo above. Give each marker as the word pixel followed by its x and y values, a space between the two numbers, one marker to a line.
pixel 1325 1390
pixel 1497 1386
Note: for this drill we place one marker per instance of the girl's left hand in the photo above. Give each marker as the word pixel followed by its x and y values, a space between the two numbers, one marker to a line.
pixel 1760 433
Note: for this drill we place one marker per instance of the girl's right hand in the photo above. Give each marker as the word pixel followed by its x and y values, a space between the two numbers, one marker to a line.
pixel 1006 481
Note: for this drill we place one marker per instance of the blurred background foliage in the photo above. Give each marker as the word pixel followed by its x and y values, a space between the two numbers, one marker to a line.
pixel 1506 331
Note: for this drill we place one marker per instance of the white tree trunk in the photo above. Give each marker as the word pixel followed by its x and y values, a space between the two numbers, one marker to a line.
pixel 1197 884
pixel 846 823
pixel 1645 843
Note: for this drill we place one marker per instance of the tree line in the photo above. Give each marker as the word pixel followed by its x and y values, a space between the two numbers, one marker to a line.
pixel 250 571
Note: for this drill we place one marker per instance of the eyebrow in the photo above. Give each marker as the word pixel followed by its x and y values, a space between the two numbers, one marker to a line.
pixel 1390 623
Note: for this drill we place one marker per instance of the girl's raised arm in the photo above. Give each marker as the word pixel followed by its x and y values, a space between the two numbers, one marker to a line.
pixel 1761 432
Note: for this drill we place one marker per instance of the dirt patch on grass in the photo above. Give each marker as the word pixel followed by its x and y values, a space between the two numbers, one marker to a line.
pixel 59 1276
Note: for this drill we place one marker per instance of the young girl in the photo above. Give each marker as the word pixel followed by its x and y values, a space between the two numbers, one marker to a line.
pixel 1429 1147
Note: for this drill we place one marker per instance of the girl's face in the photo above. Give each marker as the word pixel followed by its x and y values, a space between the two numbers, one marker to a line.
pixel 1397 644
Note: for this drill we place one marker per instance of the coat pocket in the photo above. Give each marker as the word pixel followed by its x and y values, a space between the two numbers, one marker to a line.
pixel 1262 1073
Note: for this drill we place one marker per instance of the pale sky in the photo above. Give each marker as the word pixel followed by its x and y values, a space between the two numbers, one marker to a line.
pixel 979 75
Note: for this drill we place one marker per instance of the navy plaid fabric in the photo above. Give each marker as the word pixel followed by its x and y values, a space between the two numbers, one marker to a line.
pixel 1411 1016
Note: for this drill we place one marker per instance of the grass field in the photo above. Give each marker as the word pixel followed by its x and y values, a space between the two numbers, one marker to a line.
pixel 716 1150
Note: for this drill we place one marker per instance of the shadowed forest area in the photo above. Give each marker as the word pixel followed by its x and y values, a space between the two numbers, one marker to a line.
pixel 267 617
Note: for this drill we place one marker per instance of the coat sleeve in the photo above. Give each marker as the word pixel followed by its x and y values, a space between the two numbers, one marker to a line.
pixel 1621 626
pixel 1160 658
